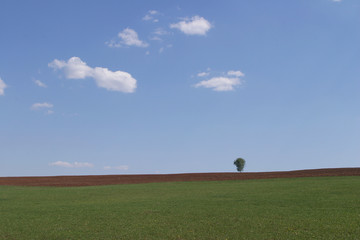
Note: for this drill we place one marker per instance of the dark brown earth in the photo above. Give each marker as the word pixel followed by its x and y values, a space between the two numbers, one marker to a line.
pixel 93 180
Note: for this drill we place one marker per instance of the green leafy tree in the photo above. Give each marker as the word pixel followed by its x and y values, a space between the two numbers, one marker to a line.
pixel 240 164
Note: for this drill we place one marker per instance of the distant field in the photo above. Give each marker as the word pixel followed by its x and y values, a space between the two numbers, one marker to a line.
pixel 293 208
pixel 97 180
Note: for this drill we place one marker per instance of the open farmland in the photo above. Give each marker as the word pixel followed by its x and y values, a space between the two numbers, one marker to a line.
pixel 94 180
pixel 279 208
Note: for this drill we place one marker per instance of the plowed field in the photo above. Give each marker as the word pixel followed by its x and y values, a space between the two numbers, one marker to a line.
pixel 94 180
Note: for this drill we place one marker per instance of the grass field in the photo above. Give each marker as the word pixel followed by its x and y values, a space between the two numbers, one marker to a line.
pixel 298 208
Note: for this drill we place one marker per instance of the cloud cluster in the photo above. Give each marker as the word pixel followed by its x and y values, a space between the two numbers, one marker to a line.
pixel 127 37
pixel 221 83
pixel 72 165
pixel 194 26
pixel 2 87
pixel 75 68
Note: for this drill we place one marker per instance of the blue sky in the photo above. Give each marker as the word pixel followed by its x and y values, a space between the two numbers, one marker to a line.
pixel 131 87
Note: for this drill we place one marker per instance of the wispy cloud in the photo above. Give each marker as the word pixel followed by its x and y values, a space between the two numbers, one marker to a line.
pixel 161 50
pixel 75 68
pixel 235 73
pixel 46 107
pixel 40 84
pixel 38 106
pixel 194 26
pixel 127 37
pixel 203 74
pixel 2 87
pixel 121 167
pixel 150 16
pixel 72 165
pixel 158 33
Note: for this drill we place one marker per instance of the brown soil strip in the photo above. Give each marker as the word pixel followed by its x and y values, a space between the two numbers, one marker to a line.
pixel 94 180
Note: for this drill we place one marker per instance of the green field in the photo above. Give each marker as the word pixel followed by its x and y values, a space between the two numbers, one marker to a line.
pixel 302 208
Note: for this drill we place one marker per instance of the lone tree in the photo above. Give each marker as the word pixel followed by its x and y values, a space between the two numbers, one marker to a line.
pixel 240 164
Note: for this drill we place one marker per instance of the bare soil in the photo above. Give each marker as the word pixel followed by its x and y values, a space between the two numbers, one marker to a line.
pixel 94 180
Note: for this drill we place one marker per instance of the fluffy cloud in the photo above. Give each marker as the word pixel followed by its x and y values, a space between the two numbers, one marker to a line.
pixel 194 26
pixel 39 106
pixel 71 165
pixel 40 84
pixel 75 68
pixel 235 73
pixel 2 87
pixel 227 82
pixel 121 167
pixel 128 37
pixel 220 83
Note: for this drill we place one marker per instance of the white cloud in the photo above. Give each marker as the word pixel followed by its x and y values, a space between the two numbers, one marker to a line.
pixel 75 68
pixel 128 37
pixel 337 0
pixel 121 167
pixel 71 165
pixel 40 84
pixel 220 83
pixel 235 73
pixel 2 87
pixel 203 74
pixel 39 106
pixel 195 26
pixel 151 16
pixel 114 81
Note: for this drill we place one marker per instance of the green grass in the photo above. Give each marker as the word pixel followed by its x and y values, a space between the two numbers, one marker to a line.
pixel 303 208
